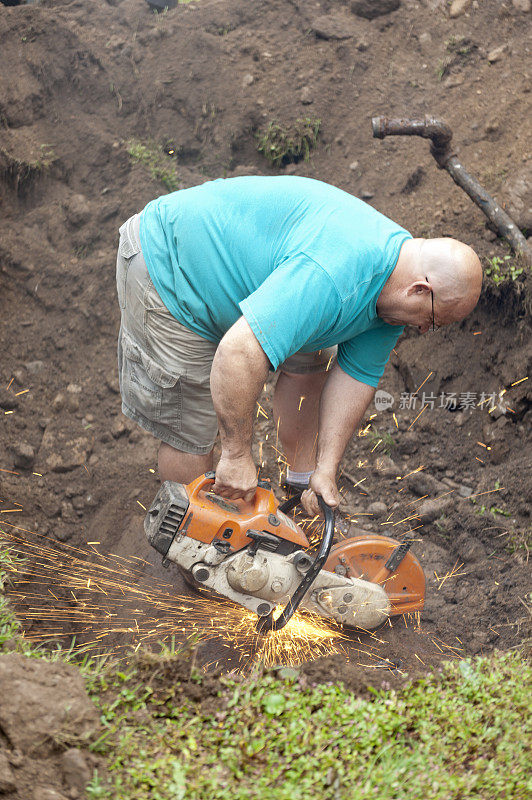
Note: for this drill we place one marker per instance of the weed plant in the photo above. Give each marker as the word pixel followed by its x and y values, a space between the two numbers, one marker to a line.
pixel 286 144
pixel 160 164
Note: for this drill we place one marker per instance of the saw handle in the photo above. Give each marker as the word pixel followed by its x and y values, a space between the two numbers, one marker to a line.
pixel 268 623
pixel 259 504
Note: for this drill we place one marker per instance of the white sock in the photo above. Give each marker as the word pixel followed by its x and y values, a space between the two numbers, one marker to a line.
pixel 301 478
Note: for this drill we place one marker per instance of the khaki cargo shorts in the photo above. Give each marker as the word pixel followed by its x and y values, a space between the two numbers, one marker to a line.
pixel 164 368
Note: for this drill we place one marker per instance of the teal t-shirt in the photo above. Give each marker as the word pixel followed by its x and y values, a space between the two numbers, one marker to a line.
pixel 303 261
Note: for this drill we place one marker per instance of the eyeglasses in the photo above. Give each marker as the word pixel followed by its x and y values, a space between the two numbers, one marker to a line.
pixel 432 299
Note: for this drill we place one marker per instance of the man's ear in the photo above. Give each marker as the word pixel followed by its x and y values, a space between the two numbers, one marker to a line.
pixel 418 287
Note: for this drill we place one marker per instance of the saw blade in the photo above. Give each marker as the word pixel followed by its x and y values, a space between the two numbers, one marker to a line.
pixel 377 559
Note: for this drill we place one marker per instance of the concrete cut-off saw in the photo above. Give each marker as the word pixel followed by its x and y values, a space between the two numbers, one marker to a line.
pixel 254 554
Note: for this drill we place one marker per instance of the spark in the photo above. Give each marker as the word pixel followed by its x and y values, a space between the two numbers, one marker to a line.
pixel 471 496
pixel 424 382
pixel 9 412
pixel 516 383
pixel 9 510
pixel 395 419
pixel 142 506
pixel 22 392
pixel 9 384
pixel 375 446
pixel 418 469
pixel 477 333
pixel 479 459
pixel 453 573
pixel 301 402
pixel 416 419
pixel 152 471
pixel 39 474
pixel 261 411
pixel 373 416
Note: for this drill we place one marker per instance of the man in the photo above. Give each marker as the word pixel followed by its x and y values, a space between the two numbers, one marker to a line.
pixel 223 282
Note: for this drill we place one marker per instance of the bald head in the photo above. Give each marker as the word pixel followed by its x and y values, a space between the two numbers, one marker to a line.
pixel 454 271
pixel 440 277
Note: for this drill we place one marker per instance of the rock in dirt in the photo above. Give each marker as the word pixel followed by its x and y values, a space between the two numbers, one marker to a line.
pixel 34 367
pixel 77 210
pixel 24 455
pixel 432 509
pixel 370 9
pixel 384 466
pixel 459 7
pixel 465 491
pixel 7 780
pixel 8 401
pixel 469 549
pixel 63 448
pixel 518 193
pixel 46 793
pixel 42 704
pixel 421 483
pixel 497 53
pixel 522 5
pixel 75 769
pixel 378 509
pixel 332 26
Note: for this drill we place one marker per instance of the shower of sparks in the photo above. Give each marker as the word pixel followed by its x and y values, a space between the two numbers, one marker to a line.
pixel 107 604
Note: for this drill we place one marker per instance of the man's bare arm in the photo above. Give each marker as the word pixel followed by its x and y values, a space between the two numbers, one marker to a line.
pixel 239 370
pixel 343 403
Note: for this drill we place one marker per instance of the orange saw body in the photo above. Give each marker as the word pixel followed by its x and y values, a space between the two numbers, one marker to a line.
pixel 254 554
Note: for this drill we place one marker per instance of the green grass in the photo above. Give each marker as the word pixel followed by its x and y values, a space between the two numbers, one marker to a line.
pixel 284 144
pixel 462 734
pixel 168 731
pixel 159 164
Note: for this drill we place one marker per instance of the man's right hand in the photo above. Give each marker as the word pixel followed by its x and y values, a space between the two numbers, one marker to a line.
pixel 236 477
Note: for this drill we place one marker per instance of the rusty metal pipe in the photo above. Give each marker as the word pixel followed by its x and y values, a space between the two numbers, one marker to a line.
pixel 440 135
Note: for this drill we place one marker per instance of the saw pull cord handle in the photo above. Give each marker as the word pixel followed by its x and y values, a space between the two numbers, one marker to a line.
pixel 268 623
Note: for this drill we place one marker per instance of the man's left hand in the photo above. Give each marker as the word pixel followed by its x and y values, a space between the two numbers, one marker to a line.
pixel 321 483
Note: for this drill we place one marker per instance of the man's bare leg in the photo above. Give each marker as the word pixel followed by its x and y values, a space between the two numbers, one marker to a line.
pixel 296 405
pixel 176 465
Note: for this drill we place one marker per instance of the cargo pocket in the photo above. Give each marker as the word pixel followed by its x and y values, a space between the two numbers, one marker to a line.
pixel 149 389
pixel 127 248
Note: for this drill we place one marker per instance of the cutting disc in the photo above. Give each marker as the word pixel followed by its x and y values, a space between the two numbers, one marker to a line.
pixel 365 557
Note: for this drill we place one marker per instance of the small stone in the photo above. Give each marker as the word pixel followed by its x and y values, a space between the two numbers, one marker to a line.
pixel 459 7
pixel 112 384
pixel 34 367
pixel 497 53
pixel 465 491
pixel 331 26
pixel 518 191
pixel 118 428
pixel 58 403
pixel 24 455
pixel 425 39
pixel 248 79
pixel 306 96
pixel 353 166
pixel 47 793
pixel 386 467
pixel 72 403
pixel 7 779
pixel 19 376
pixel 76 771
pixel 522 5
pixel 432 509
pixel 8 401
pixel 74 388
pixel 378 509
pixel 365 194
pixel 370 9
pixel 421 483
pixel 77 210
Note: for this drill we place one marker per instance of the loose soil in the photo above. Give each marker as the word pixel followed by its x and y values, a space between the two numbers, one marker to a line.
pixel 85 78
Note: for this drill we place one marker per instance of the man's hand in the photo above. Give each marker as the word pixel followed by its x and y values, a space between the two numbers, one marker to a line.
pixel 236 478
pixel 324 484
